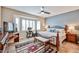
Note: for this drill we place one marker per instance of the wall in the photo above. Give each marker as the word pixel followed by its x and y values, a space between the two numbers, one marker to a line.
pixel 0 16
pixel 8 15
pixel 42 19
pixel 66 18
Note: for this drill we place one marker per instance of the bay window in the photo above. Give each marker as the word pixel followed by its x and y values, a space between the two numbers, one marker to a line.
pixel 25 23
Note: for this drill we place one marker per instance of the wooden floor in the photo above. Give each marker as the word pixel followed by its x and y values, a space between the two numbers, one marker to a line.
pixel 67 47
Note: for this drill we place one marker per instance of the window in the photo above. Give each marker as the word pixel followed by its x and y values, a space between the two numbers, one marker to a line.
pixel 27 24
pixel 30 22
pixel 38 25
pixel 23 25
pixel 33 23
pixel 10 26
pixel 17 20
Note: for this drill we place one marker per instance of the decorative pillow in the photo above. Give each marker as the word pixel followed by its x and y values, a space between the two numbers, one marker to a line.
pixel 51 30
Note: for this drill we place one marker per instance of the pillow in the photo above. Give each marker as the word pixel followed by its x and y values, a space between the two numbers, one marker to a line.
pixel 53 30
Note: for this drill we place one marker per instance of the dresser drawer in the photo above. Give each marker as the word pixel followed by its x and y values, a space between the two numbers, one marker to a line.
pixel 72 38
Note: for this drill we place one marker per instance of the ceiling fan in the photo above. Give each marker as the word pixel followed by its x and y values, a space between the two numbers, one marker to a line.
pixel 43 10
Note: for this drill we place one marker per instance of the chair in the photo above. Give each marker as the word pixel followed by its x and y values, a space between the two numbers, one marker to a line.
pixel 4 43
pixel 29 32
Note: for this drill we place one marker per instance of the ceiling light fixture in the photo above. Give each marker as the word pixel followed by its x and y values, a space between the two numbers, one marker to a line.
pixel 43 10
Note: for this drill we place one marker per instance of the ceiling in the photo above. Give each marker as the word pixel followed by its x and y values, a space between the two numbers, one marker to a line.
pixel 54 10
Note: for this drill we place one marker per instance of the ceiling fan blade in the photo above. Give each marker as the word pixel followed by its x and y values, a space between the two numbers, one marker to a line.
pixel 46 12
pixel 43 11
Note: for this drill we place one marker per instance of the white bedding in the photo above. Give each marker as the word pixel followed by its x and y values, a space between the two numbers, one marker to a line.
pixel 47 35
pixel 50 34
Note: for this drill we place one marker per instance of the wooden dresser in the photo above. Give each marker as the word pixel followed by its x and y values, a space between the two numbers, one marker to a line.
pixel 71 37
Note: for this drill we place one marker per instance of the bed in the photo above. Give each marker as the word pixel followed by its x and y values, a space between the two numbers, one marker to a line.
pixel 53 36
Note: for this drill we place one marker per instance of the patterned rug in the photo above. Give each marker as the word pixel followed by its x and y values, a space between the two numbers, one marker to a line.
pixel 67 47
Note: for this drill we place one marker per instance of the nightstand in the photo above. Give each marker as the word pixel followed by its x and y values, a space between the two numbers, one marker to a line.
pixel 71 37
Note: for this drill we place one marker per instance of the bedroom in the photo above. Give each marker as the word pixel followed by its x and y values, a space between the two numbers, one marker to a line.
pixel 42 29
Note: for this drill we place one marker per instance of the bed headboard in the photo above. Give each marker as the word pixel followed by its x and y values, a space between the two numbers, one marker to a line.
pixel 57 26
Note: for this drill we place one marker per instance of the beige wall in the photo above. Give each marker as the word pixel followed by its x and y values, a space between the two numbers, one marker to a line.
pixel 43 24
pixel 8 15
pixel 0 15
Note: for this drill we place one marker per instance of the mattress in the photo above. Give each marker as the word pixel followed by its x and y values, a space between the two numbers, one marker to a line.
pixel 50 34
pixel 47 35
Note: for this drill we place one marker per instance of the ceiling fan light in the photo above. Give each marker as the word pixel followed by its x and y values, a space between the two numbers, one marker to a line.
pixel 42 12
